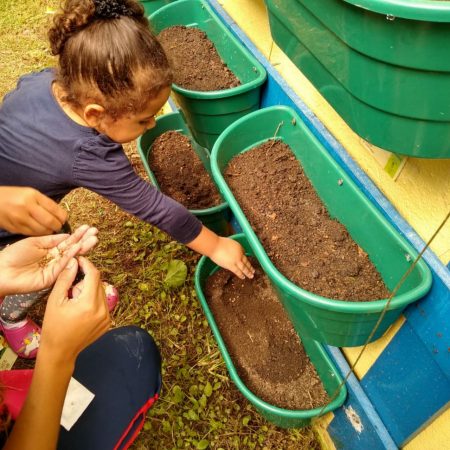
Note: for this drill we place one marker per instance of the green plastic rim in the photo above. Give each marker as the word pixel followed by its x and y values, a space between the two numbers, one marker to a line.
pixel 377 306
pixel 424 10
pixel 264 407
pixel 176 118
pixel 261 74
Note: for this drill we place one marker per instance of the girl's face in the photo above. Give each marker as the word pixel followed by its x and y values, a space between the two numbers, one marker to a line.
pixel 127 128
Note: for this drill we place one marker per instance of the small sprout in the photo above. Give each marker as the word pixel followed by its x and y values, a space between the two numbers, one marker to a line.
pixel 293 121
pixel 408 257
pixel 340 182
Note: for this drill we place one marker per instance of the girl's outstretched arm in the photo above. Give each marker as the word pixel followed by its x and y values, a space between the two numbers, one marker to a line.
pixel 69 326
pixel 224 251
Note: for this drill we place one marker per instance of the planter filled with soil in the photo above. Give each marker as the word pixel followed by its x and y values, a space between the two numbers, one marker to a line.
pixel 150 6
pixel 288 381
pixel 214 56
pixel 382 64
pixel 181 169
pixel 339 295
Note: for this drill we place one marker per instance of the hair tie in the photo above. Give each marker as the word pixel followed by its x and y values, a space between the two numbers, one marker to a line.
pixel 111 9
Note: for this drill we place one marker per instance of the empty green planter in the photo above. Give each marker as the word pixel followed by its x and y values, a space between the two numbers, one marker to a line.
pixel 326 370
pixel 384 65
pixel 209 113
pixel 150 6
pixel 217 218
pixel 330 321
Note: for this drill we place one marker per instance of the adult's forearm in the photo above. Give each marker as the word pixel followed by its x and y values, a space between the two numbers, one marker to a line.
pixel 37 426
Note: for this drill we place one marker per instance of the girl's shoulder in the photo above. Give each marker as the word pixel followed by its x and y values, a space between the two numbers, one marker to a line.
pixel 29 86
pixel 33 80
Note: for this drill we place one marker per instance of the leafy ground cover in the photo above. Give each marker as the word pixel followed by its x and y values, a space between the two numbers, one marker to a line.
pixel 199 407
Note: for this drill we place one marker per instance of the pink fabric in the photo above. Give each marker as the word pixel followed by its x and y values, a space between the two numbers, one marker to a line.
pixel 15 385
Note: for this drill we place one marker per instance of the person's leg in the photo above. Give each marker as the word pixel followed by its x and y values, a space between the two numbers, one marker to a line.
pixel 123 370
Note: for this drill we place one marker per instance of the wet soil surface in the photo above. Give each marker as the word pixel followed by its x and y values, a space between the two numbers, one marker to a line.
pixel 194 59
pixel 261 340
pixel 180 172
pixel 303 242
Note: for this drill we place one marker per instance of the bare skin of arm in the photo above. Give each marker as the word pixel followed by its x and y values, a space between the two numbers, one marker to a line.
pixel 69 326
pixel 225 252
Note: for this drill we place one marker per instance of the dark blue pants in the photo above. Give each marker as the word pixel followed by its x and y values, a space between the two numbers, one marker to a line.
pixel 123 370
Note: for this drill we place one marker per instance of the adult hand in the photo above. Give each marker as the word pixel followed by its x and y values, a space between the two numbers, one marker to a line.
pixel 34 263
pixel 24 210
pixel 230 255
pixel 72 324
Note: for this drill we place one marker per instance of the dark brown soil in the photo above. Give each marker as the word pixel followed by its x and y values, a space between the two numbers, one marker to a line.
pixel 261 340
pixel 181 173
pixel 304 243
pixel 195 61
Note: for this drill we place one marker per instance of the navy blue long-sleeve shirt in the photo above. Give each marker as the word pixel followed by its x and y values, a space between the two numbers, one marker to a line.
pixel 41 147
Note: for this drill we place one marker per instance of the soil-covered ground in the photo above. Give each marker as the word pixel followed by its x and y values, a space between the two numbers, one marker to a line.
pixel 195 61
pixel 181 173
pixel 261 340
pixel 309 247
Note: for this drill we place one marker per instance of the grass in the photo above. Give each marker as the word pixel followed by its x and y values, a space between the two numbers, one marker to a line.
pixel 199 406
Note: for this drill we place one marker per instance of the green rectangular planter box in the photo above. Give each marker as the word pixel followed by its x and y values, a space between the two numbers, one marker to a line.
pixel 216 218
pixel 326 370
pixel 384 65
pixel 330 321
pixel 150 6
pixel 209 113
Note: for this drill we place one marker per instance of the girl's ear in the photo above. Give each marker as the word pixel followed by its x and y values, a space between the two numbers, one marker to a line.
pixel 93 114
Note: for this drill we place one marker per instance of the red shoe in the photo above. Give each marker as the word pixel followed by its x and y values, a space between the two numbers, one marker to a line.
pixel 111 293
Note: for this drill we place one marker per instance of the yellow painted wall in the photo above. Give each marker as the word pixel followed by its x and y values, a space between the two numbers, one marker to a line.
pixel 420 193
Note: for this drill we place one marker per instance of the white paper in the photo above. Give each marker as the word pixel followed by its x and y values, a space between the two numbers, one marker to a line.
pixel 77 400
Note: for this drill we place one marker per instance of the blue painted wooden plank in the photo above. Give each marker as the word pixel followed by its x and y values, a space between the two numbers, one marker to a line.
pixel 406 385
pixel 357 425
pixel 430 319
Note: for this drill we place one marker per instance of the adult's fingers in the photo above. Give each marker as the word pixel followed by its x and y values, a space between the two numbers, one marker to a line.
pixel 45 218
pixel 92 284
pixel 83 236
pixel 31 227
pixel 64 281
pixel 52 208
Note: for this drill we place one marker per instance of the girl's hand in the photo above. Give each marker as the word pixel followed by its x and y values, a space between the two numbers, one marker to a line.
pixel 33 264
pixel 70 325
pixel 24 210
pixel 230 255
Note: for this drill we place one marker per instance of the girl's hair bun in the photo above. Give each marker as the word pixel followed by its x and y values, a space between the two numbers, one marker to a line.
pixel 111 9
pixel 78 14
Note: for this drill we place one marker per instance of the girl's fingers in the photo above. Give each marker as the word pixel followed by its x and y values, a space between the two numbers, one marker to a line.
pixel 239 273
pixel 246 268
